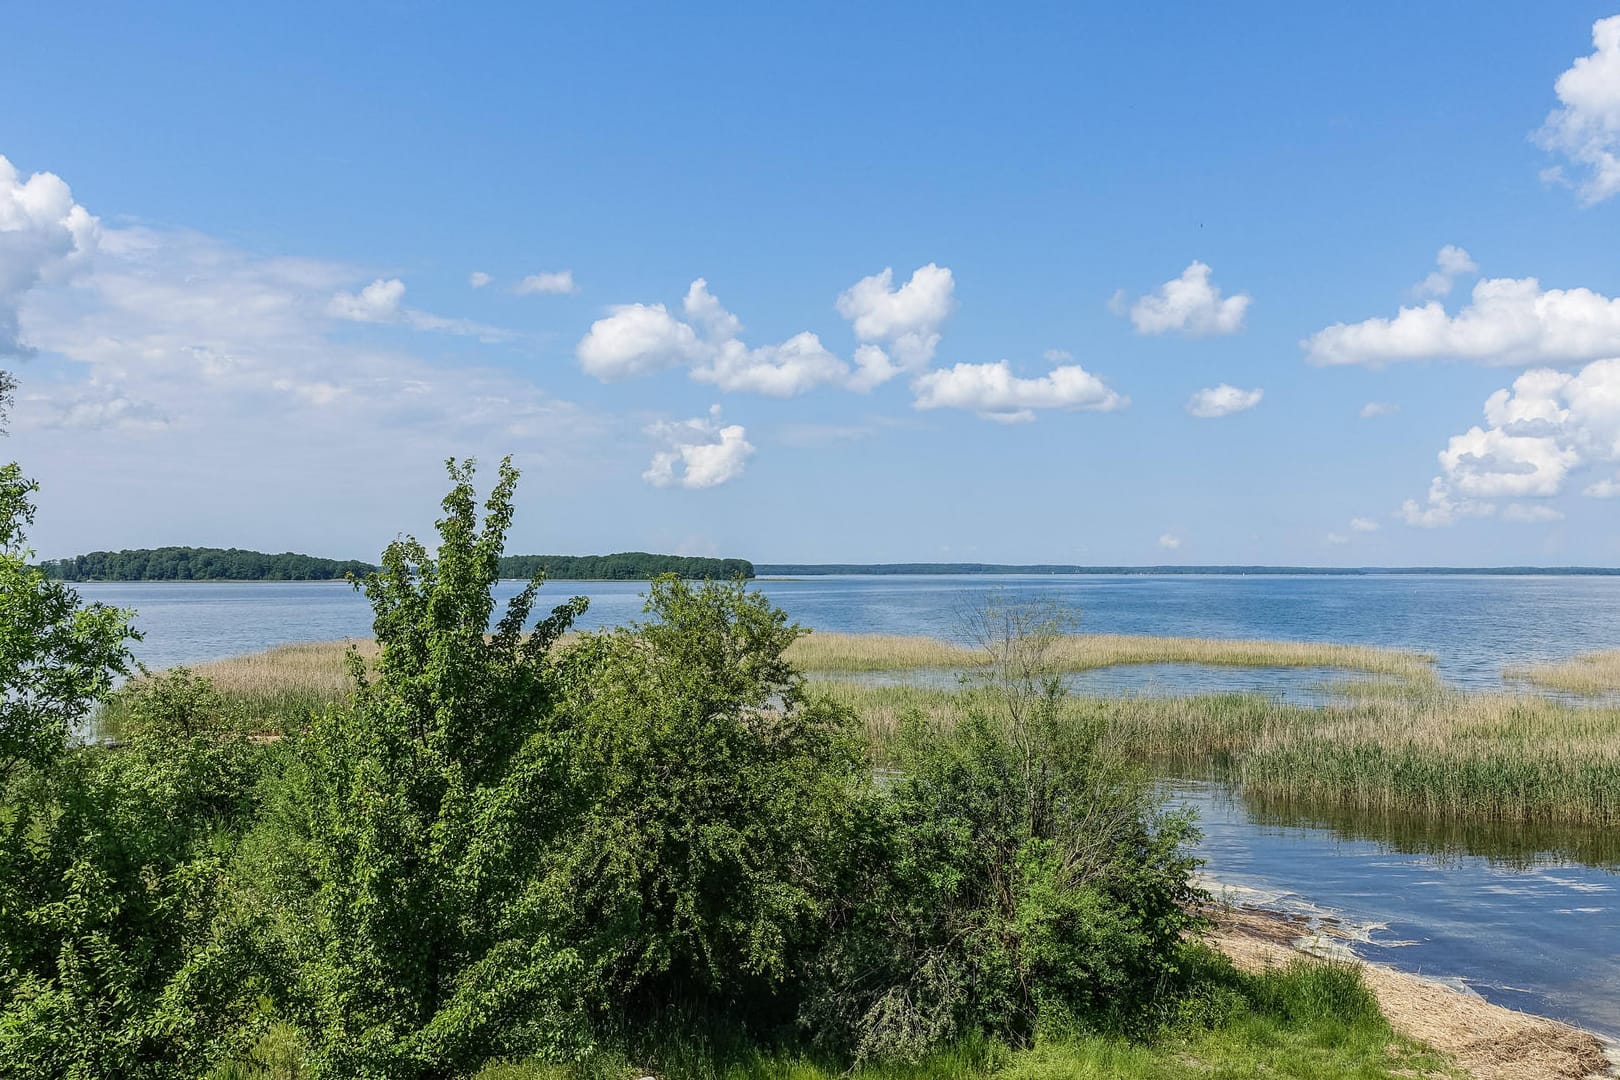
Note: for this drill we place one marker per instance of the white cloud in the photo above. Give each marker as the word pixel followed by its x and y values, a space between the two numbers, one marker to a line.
pixel 1508 321
pixel 1337 539
pixel 1442 509
pixel 44 237
pixel 1530 513
pixel 94 405
pixel 1379 408
pixel 555 283
pixel 1223 400
pixel 383 301
pixel 1585 128
pixel 898 330
pixel 905 322
pixel 1170 541
pixel 1189 305
pixel 1607 488
pixel 1548 425
pixel 1363 525
pixel 699 453
pixel 995 393
pixel 635 339
pixel 478 279
pixel 1452 263
pixel 379 302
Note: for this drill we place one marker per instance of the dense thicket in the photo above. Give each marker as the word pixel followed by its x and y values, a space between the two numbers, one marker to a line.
pixel 501 847
pixel 624 566
pixel 200 564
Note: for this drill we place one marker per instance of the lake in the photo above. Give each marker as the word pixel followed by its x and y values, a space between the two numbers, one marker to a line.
pixel 1472 625
pixel 1528 918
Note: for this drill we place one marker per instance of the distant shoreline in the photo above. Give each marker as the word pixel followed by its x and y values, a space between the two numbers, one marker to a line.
pixel 787 570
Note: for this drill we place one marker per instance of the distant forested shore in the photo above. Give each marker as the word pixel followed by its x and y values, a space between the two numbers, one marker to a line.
pixel 237 564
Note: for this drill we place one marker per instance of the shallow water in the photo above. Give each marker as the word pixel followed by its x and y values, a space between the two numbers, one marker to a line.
pixel 1535 930
pixel 1472 625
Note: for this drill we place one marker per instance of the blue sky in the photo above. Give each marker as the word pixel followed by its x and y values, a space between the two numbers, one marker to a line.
pixel 1204 240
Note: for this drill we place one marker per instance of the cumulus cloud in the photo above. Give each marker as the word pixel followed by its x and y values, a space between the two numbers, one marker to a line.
pixel 1452 263
pixel 1508 321
pixel 478 279
pixel 1363 525
pixel 995 393
pixel 95 405
pixel 1585 128
pixel 1374 409
pixel 554 283
pixel 1538 432
pixel 1170 541
pixel 1223 400
pixel 1189 304
pixel 1337 539
pixel 44 237
pixel 698 453
pixel 898 329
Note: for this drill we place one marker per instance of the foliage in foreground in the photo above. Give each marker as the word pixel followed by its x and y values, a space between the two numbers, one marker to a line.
pixel 498 849
pixel 1308 1021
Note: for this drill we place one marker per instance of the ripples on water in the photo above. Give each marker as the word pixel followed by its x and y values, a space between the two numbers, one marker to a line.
pixel 1512 915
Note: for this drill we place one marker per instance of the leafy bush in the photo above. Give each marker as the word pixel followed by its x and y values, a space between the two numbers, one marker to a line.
pixel 1017 877
pixel 122 952
pixel 709 800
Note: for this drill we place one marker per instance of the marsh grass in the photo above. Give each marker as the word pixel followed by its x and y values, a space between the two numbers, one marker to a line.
pixel 1442 755
pixel 1589 673
pixel 1399 742
pixel 832 653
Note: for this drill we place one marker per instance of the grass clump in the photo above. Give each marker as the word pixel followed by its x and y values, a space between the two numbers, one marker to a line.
pixel 1445 756
pixel 833 653
pixel 1590 673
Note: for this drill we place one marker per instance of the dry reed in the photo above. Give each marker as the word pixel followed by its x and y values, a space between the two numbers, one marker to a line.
pixel 1588 673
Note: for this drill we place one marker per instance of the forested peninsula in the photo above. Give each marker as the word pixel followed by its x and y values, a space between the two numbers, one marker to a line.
pixel 236 564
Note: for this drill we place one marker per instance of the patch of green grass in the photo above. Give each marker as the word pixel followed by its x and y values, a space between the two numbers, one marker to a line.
pixel 1312 1020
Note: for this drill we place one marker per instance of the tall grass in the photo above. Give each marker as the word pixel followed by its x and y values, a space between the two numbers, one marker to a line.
pixel 1403 744
pixel 1588 673
pixel 1443 755
pixel 856 653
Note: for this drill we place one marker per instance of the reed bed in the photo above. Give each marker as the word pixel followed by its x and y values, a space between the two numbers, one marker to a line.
pixel 1441 755
pixel 1589 673
pixel 833 653
pixel 1399 742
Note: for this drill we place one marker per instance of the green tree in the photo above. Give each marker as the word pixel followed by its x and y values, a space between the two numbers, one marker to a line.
pixel 419 934
pixel 122 952
pixel 710 800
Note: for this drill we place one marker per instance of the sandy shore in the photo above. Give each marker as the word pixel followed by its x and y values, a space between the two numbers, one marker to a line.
pixel 1491 1042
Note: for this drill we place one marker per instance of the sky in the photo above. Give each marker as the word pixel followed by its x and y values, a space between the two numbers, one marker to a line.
pixel 1198 284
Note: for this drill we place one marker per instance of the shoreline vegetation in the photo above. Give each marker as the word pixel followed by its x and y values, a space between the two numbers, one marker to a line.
pixel 1397 742
pixel 1588 674
pixel 664 848
pixel 237 564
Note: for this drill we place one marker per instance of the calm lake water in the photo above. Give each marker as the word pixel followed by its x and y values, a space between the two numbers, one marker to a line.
pixel 1528 918
pixel 1473 625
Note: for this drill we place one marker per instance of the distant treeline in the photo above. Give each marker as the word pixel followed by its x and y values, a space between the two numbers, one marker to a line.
pixel 812 569
pixel 235 564
pixel 200 564
pixel 624 566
